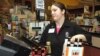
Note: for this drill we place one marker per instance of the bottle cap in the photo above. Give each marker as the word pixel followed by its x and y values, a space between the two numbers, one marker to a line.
pixel 48 43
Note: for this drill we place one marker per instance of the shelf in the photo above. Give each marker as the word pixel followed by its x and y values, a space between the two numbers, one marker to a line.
pixel 95 34
pixel 86 26
pixel 90 29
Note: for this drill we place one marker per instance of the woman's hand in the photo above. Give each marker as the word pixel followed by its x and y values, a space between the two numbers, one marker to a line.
pixel 78 36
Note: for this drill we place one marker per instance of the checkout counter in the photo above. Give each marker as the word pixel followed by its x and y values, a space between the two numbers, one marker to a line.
pixel 14 47
pixel 91 51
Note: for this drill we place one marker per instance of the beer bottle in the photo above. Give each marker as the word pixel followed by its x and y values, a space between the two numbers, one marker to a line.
pixel 68 43
pixel 48 47
pixel 80 43
pixel 76 42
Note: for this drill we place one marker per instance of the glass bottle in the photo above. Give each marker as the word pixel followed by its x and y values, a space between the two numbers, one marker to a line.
pixel 80 43
pixel 48 47
pixel 76 42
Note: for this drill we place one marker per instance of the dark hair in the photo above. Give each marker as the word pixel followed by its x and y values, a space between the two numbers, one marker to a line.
pixel 61 6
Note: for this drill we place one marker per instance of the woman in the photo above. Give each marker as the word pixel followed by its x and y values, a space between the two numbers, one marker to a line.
pixel 57 31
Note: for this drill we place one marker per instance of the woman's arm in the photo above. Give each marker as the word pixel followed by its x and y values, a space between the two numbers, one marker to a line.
pixel 82 34
pixel 44 36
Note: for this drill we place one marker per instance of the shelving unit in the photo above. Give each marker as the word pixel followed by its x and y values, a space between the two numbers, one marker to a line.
pixel 86 18
pixel 90 30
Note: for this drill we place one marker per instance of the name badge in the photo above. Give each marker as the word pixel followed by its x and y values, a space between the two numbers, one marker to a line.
pixel 51 30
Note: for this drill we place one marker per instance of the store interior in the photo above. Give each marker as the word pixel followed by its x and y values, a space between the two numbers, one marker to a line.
pixel 23 21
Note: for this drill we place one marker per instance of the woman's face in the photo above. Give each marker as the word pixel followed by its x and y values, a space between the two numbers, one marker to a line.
pixel 56 13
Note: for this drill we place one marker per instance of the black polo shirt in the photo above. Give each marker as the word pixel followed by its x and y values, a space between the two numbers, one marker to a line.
pixel 57 40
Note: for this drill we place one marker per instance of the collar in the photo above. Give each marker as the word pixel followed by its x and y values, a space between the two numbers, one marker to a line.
pixel 66 23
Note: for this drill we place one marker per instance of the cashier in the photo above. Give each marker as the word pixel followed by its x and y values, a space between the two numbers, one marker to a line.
pixel 60 29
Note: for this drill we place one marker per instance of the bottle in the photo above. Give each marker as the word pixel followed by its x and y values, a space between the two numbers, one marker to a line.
pixel 33 51
pixel 80 43
pixel 39 50
pixel 48 47
pixel 68 43
pixel 43 51
pixel 67 48
pixel 36 52
pixel 64 47
pixel 67 38
pixel 72 44
pixel 76 42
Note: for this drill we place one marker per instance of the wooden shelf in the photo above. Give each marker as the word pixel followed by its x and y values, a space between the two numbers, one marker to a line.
pixel 86 26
